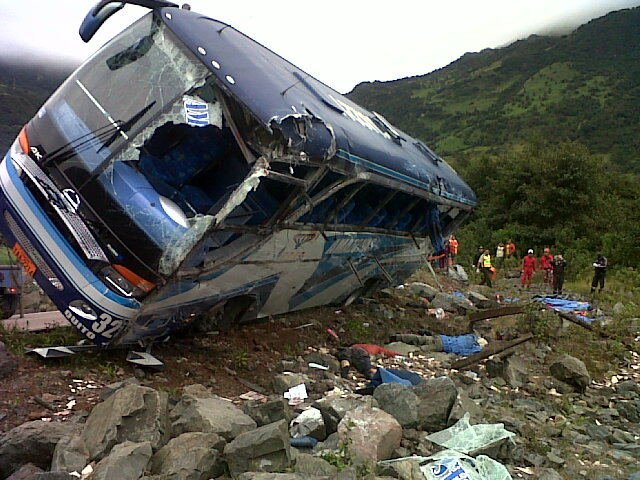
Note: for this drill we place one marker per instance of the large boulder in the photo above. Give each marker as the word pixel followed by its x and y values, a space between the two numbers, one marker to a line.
pixel 265 449
pixel 273 410
pixel 457 272
pixel 191 456
pixel 571 370
pixel 452 303
pixel 70 455
pixel 285 381
pixel 127 461
pixel 26 472
pixel 334 408
pixel 311 466
pixel 479 300
pixel 437 398
pixel 201 411
pixel 133 413
pixel 32 442
pixel 8 363
pixel 423 290
pixel 399 401
pixel 370 434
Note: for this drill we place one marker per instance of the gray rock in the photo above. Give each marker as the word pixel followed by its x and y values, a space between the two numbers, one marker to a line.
pixel 516 372
pixel 572 371
pixel 70 455
pixel 548 474
pixel 26 472
pixel 618 309
pixel 308 465
pixel 635 476
pixel 8 363
pixel 127 461
pixel 403 348
pixel 191 456
pixel 334 408
pixel 309 423
pixel 133 413
pixel 276 476
pixel 31 442
pixel 275 409
pixel 457 272
pixel 283 382
pixel 463 405
pixel 110 389
pixel 480 300
pixel 437 397
pixel 399 401
pixel 265 449
pixel 452 303
pixel 53 476
pixel 629 410
pixel 201 411
pixel 423 290
pixel 370 434
pixel 403 470
pixel 628 386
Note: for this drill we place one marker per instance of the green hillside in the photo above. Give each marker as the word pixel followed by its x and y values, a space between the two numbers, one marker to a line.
pixel 546 130
pixel 581 87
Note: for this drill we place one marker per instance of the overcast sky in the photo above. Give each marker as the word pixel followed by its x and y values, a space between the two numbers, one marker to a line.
pixel 341 42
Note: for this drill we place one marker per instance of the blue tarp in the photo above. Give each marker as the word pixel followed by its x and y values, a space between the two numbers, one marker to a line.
pixel 464 345
pixel 565 305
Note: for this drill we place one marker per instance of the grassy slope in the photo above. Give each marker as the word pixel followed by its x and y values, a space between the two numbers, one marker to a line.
pixel 584 86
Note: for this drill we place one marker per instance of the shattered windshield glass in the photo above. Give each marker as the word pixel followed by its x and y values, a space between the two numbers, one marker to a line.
pixel 129 132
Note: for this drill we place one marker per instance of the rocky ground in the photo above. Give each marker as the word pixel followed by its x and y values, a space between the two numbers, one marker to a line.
pixel 570 397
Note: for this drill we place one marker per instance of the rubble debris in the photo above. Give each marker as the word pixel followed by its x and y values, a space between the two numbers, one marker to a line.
pixel 297 395
pixel 269 411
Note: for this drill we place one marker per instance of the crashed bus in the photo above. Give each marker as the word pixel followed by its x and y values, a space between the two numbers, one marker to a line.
pixel 187 174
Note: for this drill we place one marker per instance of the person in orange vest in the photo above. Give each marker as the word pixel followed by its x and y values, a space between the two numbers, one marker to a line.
pixel 484 265
pixel 546 263
pixel 453 250
pixel 510 249
pixel 528 268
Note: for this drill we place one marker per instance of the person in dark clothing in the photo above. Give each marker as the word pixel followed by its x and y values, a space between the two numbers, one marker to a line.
pixel 355 357
pixel 600 273
pixel 559 265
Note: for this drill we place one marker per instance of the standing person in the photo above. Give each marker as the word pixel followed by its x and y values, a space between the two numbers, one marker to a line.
pixel 559 265
pixel 444 259
pixel 484 264
pixel 453 250
pixel 528 268
pixel 510 249
pixel 546 263
pixel 600 273
pixel 500 255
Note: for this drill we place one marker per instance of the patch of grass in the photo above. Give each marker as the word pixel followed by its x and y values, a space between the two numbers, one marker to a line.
pixel 17 340
pixel 241 359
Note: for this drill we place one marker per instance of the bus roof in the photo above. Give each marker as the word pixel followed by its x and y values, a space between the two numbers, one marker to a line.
pixel 278 94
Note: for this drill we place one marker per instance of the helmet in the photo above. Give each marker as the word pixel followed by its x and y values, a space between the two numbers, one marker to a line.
pixel 530 252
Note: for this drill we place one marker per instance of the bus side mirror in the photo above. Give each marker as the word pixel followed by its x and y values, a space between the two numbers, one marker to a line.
pixel 97 16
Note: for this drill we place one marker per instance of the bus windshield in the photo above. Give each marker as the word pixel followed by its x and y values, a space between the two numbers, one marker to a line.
pixel 111 128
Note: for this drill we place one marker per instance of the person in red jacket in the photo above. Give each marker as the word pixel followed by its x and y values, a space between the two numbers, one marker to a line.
pixel 528 268
pixel 546 263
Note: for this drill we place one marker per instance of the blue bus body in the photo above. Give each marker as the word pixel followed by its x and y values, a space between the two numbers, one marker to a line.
pixel 187 174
